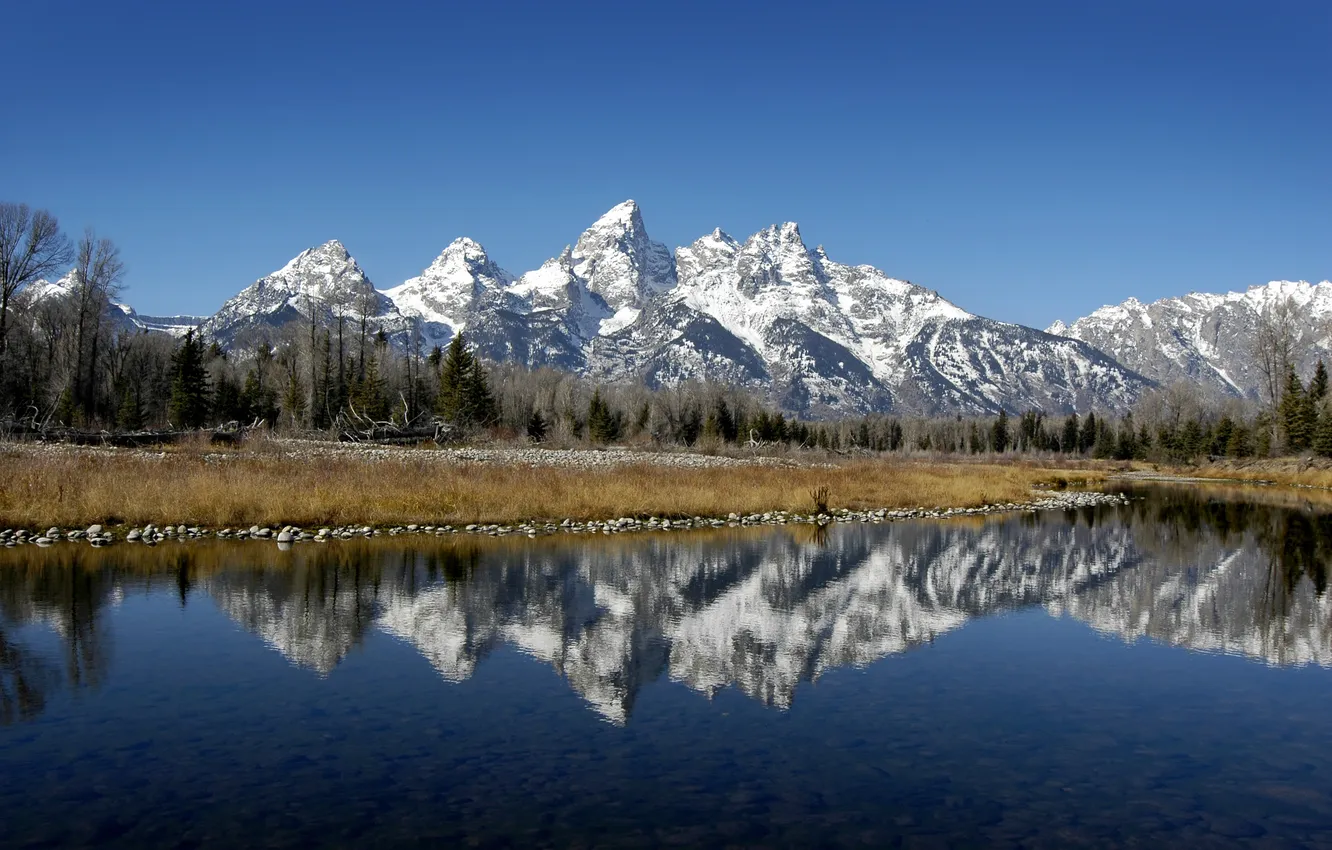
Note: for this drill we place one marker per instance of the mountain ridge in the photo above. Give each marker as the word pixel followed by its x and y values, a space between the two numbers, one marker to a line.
pixel 1207 338
pixel 767 313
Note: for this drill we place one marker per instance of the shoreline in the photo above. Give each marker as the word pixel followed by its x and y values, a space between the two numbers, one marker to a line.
pixel 287 536
pixel 298 485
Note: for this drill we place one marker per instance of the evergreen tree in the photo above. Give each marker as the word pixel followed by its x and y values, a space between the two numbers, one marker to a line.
pixel 1087 437
pixel 257 401
pixel 1294 413
pixel 464 392
pixel 227 401
pixel 691 426
pixel 1144 443
pixel 603 424
pixel 1318 384
pixel 1068 443
pixel 367 394
pixel 479 402
pixel 1322 439
pixel 895 436
pixel 1221 436
pixel 1240 442
pixel 1127 444
pixel 1105 441
pixel 1193 440
pixel 536 426
pixel 726 425
pixel 189 384
pixel 293 399
pixel 999 433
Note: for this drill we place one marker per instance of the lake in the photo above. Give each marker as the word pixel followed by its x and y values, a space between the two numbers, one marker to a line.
pixel 1147 674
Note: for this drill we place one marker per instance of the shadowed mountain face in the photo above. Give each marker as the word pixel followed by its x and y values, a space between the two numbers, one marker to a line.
pixel 757 610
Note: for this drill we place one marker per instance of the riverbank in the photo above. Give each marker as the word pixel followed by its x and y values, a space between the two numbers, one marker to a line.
pixel 277 483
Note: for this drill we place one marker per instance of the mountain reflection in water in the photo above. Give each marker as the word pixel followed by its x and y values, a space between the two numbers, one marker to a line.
pixel 758 609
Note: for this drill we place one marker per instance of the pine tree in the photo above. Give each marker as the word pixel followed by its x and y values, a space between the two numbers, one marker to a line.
pixel 1239 444
pixel 454 369
pixel 536 426
pixel 189 384
pixel 1294 413
pixel 1087 437
pixel 1318 384
pixel 1322 439
pixel 367 393
pixel 1127 444
pixel 725 422
pixel 1069 442
pixel 479 407
pixel 1221 435
pixel 603 424
pixel 999 432
pixel 257 401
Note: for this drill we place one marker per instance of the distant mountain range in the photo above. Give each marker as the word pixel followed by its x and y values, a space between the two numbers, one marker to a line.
pixel 1205 338
pixel 767 313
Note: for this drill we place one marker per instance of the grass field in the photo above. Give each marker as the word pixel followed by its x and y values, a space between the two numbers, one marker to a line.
pixel 241 488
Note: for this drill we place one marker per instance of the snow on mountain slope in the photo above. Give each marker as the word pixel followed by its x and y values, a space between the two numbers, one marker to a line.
pixel 818 337
pixel 442 296
pixel 325 281
pixel 124 318
pixel 620 263
pixel 1207 338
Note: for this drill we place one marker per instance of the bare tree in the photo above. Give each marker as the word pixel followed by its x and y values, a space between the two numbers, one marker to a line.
pixel 1274 349
pixel 96 278
pixel 31 247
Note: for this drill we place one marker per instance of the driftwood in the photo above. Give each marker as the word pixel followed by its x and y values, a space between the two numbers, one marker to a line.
pixel 30 429
pixel 355 427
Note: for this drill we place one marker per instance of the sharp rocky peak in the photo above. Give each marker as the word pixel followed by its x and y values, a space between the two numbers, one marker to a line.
pixel 620 262
pixel 626 215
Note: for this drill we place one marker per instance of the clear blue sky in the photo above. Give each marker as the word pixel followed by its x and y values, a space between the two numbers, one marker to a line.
pixel 1030 161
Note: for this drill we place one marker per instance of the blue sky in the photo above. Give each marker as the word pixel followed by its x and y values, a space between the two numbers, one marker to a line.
pixel 1030 161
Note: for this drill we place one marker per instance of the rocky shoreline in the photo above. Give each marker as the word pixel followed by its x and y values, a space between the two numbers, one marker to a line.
pixel 286 536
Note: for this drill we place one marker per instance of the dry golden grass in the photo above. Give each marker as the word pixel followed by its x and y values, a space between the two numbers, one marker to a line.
pixel 245 488
pixel 1287 471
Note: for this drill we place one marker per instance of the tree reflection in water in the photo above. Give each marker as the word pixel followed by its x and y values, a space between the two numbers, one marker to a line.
pixel 761 610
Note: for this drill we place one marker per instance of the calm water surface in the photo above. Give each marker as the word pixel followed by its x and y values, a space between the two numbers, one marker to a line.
pixel 1148 675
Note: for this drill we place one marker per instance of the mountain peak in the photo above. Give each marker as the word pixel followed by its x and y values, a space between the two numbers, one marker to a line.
pixel 786 234
pixel 619 262
pixel 625 213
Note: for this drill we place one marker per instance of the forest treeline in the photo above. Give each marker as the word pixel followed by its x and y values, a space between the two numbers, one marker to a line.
pixel 71 357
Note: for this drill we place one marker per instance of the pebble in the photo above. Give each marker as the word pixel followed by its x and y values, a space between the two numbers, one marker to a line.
pixel 290 534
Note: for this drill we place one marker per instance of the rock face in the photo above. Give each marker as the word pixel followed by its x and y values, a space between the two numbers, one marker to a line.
pixel 815 336
pixel 621 264
pixel 1207 338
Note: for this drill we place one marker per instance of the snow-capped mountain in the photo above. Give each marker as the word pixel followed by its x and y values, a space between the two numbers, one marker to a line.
pixel 124 318
pixel 1207 338
pixel 816 336
pixel 768 313
pixel 325 281
pixel 451 289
